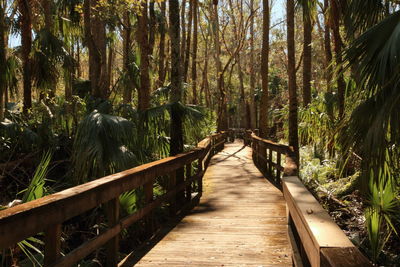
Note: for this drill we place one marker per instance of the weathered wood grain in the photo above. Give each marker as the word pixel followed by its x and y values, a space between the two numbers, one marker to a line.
pixel 240 221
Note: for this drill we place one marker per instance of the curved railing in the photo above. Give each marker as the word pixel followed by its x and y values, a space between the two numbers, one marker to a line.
pixel 48 214
pixel 315 238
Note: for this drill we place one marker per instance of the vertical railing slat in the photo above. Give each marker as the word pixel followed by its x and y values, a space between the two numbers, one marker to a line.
pixel 52 248
pixel 112 247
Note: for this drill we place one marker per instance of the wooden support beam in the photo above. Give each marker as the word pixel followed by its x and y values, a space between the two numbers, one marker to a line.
pixel 112 247
pixel 52 242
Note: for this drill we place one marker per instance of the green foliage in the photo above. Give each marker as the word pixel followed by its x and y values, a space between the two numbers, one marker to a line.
pixel 36 188
pixel 382 210
pixel 101 146
pixel 128 202
pixel 375 125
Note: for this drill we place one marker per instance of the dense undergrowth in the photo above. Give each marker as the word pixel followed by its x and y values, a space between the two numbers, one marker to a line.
pixel 362 198
pixel 59 145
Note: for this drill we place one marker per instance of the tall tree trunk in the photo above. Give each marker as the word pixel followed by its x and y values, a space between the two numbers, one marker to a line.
pixel 143 41
pixel 222 123
pixel 152 27
pixel 194 54
pixel 293 126
pixel 95 35
pixel 327 47
pixel 161 58
pixel 341 85
pixel 127 32
pixel 252 106
pixel 307 61
pixel 48 21
pixel 242 101
pixel 263 124
pixel 78 59
pixel 110 63
pixel 176 145
pixel 188 39
pixel 26 43
pixel 183 27
pixel 205 85
pixel 3 85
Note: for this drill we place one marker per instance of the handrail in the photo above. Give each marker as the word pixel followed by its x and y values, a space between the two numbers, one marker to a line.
pixel 315 238
pixel 48 213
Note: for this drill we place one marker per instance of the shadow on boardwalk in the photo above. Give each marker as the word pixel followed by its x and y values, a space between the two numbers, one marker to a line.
pixel 240 221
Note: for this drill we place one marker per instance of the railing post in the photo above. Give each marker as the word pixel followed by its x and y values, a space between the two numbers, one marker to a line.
pixel 278 168
pixel 172 202
pixel 112 210
pixel 263 156
pixel 189 186
pixel 270 161
pixel 52 248
pixel 199 171
pixel 148 198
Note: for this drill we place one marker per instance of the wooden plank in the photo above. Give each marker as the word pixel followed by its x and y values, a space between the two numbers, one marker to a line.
pixel 297 262
pixel 314 225
pixel 325 232
pixel 343 257
pixel 239 221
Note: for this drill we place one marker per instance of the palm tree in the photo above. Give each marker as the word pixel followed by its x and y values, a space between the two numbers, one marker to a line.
pixel 293 123
pixel 374 124
pixel 263 124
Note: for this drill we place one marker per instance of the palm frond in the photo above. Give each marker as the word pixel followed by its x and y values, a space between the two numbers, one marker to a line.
pixel 36 187
pixel 102 145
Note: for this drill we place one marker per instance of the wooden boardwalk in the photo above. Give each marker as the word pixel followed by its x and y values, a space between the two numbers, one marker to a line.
pixel 240 221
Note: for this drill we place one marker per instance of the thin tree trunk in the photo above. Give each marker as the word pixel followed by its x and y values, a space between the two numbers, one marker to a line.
pixel 242 101
pixel 263 123
pixel 183 27
pixel 143 40
pixel 176 145
pixel 78 59
pixel 293 126
pixel 152 26
pixel 307 61
pixel 3 85
pixel 127 32
pixel 205 75
pixel 161 59
pixel 327 48
pixel 252 106
pixel 110 64
pixel 194 54
pixel 188 39
pixel 26 43
pixel 222 123
pixel 341 85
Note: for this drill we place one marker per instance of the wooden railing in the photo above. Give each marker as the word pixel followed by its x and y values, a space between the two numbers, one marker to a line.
pixel 315 238
pixel 48 214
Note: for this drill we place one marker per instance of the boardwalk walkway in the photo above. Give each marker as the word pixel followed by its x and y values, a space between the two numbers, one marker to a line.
pixel 241 220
